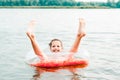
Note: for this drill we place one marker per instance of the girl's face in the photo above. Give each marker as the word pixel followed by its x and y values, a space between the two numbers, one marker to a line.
pixel 56 47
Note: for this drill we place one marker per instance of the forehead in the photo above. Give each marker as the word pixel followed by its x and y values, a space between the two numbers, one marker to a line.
pixel 56 42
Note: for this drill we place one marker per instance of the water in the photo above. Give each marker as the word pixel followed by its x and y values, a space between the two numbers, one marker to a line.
pixel 102 41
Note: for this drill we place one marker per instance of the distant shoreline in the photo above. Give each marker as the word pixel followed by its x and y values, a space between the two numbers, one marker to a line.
pixel 55 7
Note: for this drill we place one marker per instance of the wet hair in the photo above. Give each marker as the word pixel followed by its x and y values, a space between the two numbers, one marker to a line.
pixel 55 40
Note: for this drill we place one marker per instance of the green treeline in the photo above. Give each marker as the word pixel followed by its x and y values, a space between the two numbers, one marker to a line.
pixel 109 3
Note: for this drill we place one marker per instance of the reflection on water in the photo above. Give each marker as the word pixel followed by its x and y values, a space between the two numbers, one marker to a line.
pixel 72 70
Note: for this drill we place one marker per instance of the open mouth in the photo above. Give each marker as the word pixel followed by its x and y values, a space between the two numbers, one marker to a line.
pixel 56 50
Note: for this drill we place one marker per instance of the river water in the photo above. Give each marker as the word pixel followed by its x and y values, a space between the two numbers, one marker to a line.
pixel 102 42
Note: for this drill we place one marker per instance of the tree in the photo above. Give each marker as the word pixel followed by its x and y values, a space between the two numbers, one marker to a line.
pixel 118 4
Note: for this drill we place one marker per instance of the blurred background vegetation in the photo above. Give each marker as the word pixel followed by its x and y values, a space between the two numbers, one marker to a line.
pixel 59 3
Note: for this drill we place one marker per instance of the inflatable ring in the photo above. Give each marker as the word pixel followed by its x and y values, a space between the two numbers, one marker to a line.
pixel 82 63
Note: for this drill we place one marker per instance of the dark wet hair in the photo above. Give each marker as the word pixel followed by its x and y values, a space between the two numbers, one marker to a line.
pixel 55 40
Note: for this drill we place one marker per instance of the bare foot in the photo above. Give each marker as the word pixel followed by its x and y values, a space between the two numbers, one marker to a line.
pixel 30 35
pixel 81 30
pixel 30 29
pixel 31 26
